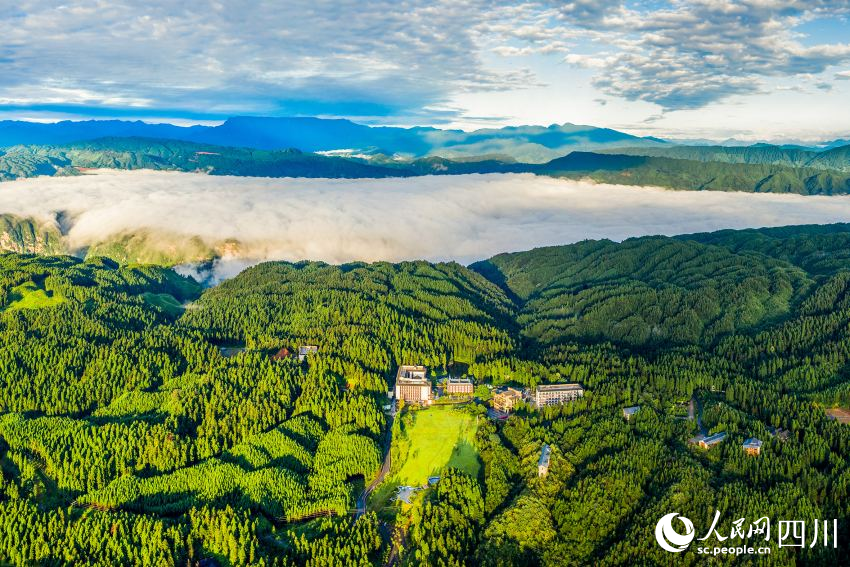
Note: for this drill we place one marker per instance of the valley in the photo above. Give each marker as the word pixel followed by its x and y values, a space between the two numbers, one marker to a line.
pixel 225 223
pixel 257 457
pixel 425 283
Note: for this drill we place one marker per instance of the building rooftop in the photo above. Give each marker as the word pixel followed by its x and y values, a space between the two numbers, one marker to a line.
pixel 782 434
pixel 281 354
pixel 459 380
pixel 510 390
pixel 631 410
pixel 413 381
pixel 307 349
pixel 716 438
pixel 558 387
pixel 409 374
pixel 753 443
pixel 406 493
pixel 545 453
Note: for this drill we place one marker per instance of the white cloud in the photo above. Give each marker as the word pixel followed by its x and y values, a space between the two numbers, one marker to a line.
pixel 586 61
pixel 695 53
pixel 385 61
pixel 463 218
pixel 235 56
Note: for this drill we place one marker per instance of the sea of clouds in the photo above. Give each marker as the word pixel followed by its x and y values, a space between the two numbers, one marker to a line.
pixel 463 218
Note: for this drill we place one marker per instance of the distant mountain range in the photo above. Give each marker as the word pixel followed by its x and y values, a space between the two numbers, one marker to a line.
pixel 174 155
pixel 734 142
pixel 531 144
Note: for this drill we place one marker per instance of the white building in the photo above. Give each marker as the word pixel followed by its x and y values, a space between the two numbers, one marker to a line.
pixel 630 411
pixel 554 394
pixel 306 350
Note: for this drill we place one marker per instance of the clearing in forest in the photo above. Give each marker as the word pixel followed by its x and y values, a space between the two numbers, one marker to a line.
pixel 431 439
pixel 30 296
pixel 164 301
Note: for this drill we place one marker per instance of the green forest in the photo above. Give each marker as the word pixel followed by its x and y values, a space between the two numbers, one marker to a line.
pixel 145 420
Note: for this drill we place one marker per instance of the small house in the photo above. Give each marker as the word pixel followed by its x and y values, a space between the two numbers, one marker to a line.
pixel 712 440
pixel 779 433
pixel 306 350
pixel 752 447
pixel 282 354
pixel 543 463
pixel 630 411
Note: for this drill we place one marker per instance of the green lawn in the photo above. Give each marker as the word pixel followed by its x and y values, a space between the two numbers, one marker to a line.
pixel 431 439
pixel 31 296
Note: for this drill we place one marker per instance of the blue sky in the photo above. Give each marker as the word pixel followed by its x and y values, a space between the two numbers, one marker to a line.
pixel 751 69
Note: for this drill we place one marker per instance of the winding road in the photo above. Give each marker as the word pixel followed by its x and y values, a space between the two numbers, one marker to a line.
pixel 385 468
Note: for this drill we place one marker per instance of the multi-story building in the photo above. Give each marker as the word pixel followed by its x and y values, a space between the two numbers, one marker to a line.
pixel 412 385
pixel 505 398
pixel 554 394
pixel 306 350
pixel 454 386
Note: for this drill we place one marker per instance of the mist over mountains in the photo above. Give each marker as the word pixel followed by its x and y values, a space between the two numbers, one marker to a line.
pixel 172 218
pixel 340 187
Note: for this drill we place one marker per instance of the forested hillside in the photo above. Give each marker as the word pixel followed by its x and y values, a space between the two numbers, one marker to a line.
pixel 645 291
pixel 142 153
pixel 116 400
pixel 837 158
pixel 171 155
pixel 146 421
pixel 702 175
pixel 767 169
pixel 784 358
pixel 818 249
pixel 27 236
